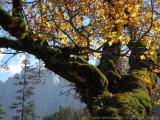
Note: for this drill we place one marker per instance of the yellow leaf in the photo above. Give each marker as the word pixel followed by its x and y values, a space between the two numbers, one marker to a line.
pixel 44 9
pixel 146 79
pixel 152 52
pixel 137 6
pixel 120 37
pixel 50 4
pixel 142 57
pixel 75 37
pixel 133 15
pixel 48 24
pixel 110 43
pixel 157 70
pixel 96 54
pixel 148 15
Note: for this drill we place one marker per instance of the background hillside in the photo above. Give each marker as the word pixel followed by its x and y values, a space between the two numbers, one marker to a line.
pixel 48 97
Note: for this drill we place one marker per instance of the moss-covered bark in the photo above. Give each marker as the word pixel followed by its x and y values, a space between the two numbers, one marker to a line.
pixel 130 94
pixel 109 65
pixel 131 99
pixel 17 8
pixel 16 26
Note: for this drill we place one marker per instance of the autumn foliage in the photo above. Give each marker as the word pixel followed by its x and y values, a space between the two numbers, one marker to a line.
pixel 92 23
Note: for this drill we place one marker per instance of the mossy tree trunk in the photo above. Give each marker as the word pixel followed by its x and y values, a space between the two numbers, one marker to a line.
pixel 129 95
pixel 104 89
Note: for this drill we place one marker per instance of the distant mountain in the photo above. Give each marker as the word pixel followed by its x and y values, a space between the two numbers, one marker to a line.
pixel 47 95
pixel 1 84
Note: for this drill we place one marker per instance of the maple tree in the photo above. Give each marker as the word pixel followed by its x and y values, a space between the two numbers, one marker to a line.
pixel 65 34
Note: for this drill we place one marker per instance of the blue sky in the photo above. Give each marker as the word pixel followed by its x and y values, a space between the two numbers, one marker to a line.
pixel 5 76
pixel 14 65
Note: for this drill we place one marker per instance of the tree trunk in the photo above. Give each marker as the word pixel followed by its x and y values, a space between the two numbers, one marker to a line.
pixel 128 96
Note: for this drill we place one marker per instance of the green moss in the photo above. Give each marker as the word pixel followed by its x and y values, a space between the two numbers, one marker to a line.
pixel 102 100
pixel 97 79
pixel 112 73
pixel 136 79
pixel 130 104
pixel 114 76
pixel 131 100
pixel 143 97
pixel 110 65
pixel 108 113
pixel 113 111
pixel 94 82
pixel 81 60
pixel 15 25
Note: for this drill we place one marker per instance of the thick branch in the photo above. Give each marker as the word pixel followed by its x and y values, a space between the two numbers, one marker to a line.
pixel 58 60
pixel 131 98
pixel 89 80
pixel 14 25
pixel 17 8
pixel 109 64
pixel 8 43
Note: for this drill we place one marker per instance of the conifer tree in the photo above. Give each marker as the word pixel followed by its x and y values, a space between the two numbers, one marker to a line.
pixel 2 113
pixel 24 105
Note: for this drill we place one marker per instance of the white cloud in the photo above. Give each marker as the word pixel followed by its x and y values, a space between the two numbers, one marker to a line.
pixel 2 55
pixel 16 66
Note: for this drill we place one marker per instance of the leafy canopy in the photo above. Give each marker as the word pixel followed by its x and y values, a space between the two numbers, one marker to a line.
pixel 91 23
